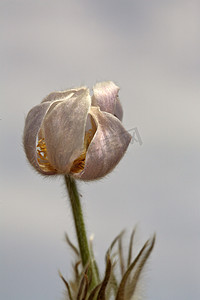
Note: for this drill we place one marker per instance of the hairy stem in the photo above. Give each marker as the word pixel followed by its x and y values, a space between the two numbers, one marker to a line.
pixel 80 229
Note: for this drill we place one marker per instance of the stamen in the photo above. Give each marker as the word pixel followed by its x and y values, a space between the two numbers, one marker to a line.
pixel 42 156
pixel 79 163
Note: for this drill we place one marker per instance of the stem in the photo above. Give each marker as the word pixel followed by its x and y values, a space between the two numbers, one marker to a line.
pixel 80 229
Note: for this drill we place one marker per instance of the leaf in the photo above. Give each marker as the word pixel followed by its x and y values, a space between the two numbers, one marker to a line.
pixel 71 245
pixel 94 261
pixel 86 288
pixel 67 285
pixel 121 294
pixel 114 242
pixel 121 257
pixel 131 247
pixel 140 267
pixel 76 271
pixel 94 292
pixel 82 291
pixel 102 291
pixel 113 285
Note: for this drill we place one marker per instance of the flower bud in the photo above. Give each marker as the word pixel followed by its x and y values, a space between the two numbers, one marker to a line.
pixel 71 132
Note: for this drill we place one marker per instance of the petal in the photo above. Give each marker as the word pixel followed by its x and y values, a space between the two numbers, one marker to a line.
pixel 118 112
pixel 63 95
pixel 106 97
pixel 64 130
pixel 107 147
pixel 32 126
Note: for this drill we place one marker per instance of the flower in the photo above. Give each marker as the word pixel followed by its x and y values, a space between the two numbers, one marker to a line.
pixel 70 132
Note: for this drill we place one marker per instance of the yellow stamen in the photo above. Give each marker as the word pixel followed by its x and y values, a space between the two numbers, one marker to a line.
pixel 42 156
pixel 79 163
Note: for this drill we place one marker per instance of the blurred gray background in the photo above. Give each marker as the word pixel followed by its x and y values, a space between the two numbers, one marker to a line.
pixel 151 50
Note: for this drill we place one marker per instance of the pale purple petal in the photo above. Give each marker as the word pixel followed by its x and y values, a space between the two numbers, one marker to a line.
pixel 63 95
pixel 118 111
pixel 106 97
pixel 64 130
pixel 107 147
pixel 33 122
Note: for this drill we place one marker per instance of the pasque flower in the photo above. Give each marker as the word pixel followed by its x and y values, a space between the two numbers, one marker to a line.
pixel 71 132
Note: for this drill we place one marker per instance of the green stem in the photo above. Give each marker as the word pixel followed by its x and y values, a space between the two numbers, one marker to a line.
pixel 80 229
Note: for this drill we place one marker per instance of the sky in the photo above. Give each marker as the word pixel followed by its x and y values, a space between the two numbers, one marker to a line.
pixel 150 49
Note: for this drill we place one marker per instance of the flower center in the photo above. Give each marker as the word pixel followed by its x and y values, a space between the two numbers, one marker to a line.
pixel 79 163
pixel 42 156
